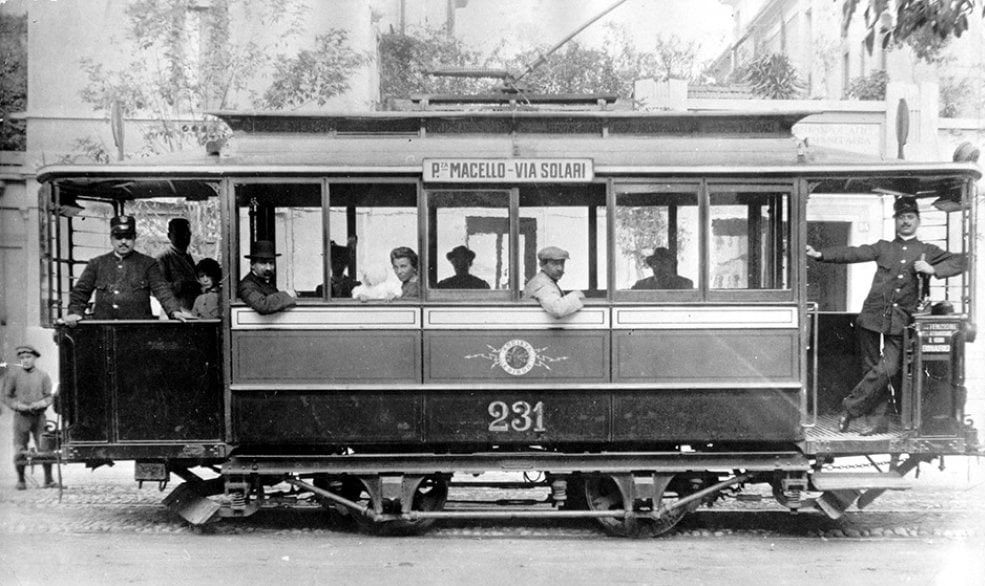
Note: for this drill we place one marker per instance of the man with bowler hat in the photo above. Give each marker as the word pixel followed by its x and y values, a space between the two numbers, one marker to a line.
pixel 27 391
pixel 544 288
pixel 123 281
pixel 892 299
pixel 461 259
pixel 664 266
pixel 257 288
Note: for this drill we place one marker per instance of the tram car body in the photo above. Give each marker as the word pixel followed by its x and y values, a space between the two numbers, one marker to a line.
pixel 635 409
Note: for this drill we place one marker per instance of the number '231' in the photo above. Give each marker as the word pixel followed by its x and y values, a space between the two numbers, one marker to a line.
pixel 520 416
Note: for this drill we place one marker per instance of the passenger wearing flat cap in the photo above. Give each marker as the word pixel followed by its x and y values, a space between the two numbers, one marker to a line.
pixel 122 281
pixel 665 276
pixel 544 288
pixel 887 310
pixel 177 266
pixel 27 391
pixel 461 259
pixel 258 288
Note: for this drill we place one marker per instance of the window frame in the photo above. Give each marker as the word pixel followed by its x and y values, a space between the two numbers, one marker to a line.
pixel 658 185
pixel 431 257
pixel 787 187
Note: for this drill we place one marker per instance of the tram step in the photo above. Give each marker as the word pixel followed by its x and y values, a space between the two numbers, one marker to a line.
pixel 826 481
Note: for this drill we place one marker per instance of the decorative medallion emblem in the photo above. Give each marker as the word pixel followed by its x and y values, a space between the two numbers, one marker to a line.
pixel 517 357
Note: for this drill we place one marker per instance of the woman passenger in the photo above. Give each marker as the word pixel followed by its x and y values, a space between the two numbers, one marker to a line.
pixel 404 261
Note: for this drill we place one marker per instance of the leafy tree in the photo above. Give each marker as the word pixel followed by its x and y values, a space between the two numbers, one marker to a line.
pixel 772 77
pixel 937 18
pixel 406 60
pixel 13 81
pixel 869 87
pixel 313 75
pixel 174 85
pixel 574 69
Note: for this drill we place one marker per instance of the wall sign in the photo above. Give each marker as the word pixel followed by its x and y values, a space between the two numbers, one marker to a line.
pixel 508 170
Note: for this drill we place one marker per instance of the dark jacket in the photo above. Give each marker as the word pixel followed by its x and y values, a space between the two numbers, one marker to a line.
pixel 462 282
pixel 263 296
pixel 894 294
pixel 178 269
pixel 123 288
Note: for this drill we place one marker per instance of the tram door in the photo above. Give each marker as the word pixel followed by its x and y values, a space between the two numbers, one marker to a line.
pixel 838 364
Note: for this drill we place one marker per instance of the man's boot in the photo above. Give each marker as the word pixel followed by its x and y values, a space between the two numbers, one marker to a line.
pixel 21 485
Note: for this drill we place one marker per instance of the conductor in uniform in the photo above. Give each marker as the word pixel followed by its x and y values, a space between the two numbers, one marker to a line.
pixel 887 310
pixel 544 288
pixel 123 281
pixel 258 288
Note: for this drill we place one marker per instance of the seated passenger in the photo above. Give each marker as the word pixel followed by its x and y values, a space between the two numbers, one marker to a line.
pixel 544 288
pixel 341 261
pixel 461 259
pixel 404 261
pixel 257 288
pixel 665 276
pixel 209 275
pixel 375 286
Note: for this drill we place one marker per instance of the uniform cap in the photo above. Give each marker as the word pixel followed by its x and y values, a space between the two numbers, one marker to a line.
pixel 552 253
pixel 262 250
pixel 905 205
pixel 460 252
pixel 123 226
pixel 27 349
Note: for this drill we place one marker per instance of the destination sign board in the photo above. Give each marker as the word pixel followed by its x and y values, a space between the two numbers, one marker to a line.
pixel 508 170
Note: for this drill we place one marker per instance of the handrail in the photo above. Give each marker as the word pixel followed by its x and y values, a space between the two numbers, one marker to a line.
pixel 813 311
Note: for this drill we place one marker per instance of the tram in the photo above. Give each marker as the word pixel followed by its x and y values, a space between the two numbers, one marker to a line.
pixel 642 406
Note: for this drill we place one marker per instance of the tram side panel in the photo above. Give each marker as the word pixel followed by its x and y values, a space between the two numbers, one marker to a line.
pixel 297 381
pixel 142 389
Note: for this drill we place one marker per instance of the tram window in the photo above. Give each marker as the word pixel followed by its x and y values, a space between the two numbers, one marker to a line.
pixel 379 217
pixel 570 217
pixel 750 234
pixel 469 244
pixel 657 238
pixel 290 215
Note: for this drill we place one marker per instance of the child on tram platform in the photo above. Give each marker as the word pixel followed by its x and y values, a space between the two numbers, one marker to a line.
pixel 209 275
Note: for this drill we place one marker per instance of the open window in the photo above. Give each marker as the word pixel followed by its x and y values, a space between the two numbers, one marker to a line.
pixel 570 217
pixel 76 227
pixel 289 214
pixel 749 239
pixel 469 244
pixel 657 241
pixel 366 222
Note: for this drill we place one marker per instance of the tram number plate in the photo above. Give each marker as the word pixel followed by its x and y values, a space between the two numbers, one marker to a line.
pixel 519 416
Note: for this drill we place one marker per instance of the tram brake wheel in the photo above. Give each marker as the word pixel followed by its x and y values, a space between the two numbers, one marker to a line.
pixel 603 493
pixel 430 495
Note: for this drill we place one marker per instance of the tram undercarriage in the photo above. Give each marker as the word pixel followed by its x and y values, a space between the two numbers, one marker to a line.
pixel 628 494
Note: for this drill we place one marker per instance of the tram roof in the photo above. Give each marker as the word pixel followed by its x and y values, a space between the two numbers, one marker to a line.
pixel 620 143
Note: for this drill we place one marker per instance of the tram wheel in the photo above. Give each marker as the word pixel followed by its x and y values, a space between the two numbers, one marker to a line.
pixel 430 495
pixel 349 488
pixel 603 493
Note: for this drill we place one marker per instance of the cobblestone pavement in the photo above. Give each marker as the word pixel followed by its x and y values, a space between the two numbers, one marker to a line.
pixel 947 504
